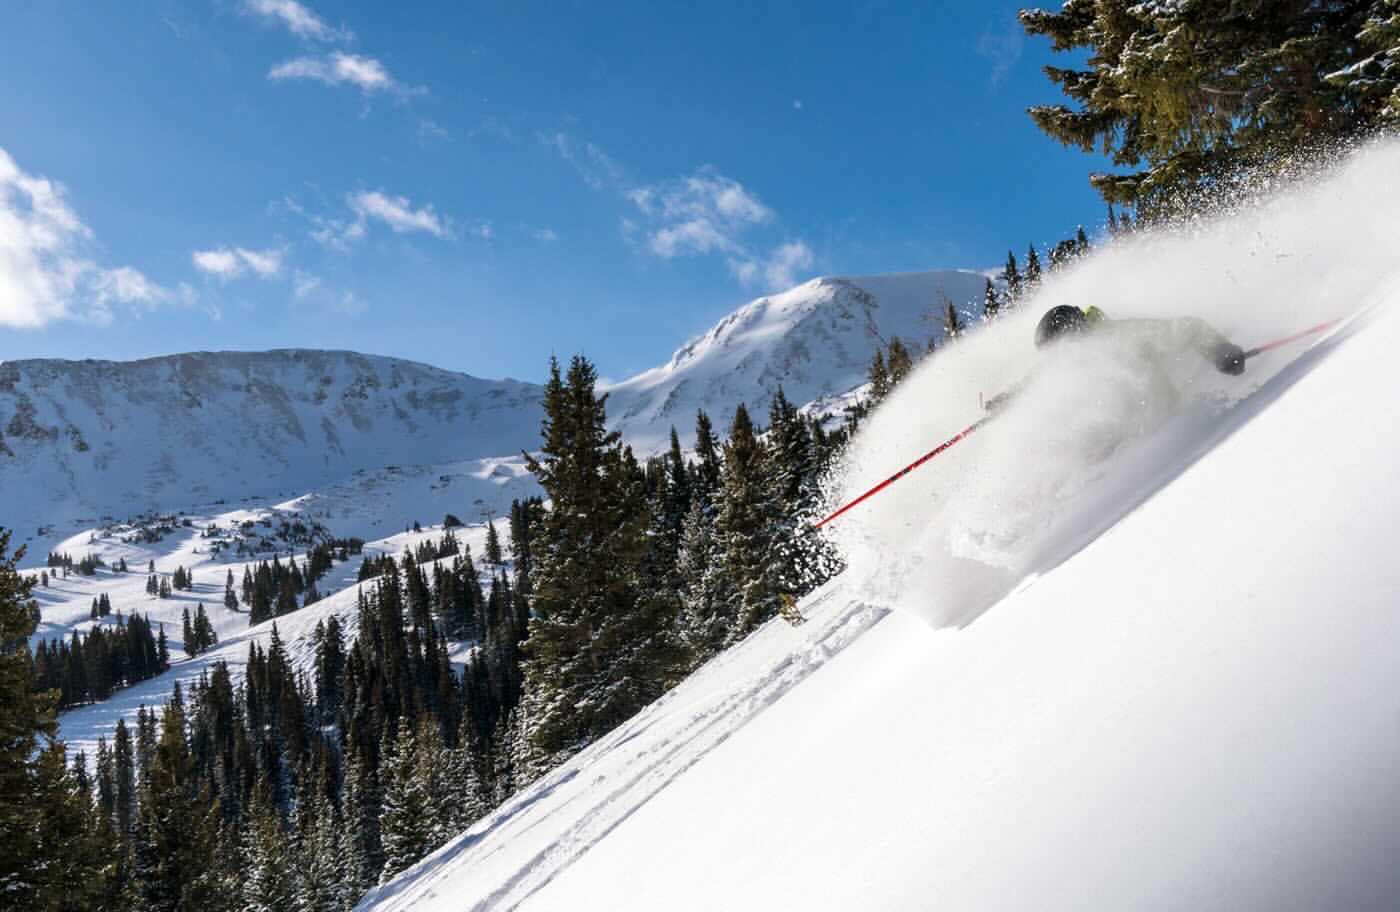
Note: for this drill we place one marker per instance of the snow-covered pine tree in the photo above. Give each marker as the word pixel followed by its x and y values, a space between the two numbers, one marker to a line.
pixel 597 645
pixel 991 302
pixel 745 528
pixel 405 826
pixel 705 618
pixel 1011 276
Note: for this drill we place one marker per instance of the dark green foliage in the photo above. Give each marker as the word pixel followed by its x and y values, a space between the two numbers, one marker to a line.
pixel 599 643
pixel 1188 91
pixel 92 666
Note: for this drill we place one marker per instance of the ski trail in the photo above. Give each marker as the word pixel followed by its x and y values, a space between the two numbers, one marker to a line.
pixel 699 718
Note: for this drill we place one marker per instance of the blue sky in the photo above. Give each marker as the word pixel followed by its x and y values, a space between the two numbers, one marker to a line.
pixel 479 185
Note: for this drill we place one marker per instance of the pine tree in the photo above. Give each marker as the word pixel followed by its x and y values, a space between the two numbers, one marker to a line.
pixel 1187 91
pixel 187 634
pixel 1011 276
pixel 745 527
pixel 878 377
pixel 27 727
pixel 269 879
pixel 707 455
pixel 494 557
pixel 900 362
pixel 596 639
pixel 704 619
pixel 952 322
pixel 1031 280
pixel 991 302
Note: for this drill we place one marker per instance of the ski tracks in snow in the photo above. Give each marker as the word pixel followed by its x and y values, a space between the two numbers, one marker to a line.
pixel 629 766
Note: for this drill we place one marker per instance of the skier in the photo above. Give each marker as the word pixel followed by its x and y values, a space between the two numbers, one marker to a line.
pixel 1165 337
pixel 1186 333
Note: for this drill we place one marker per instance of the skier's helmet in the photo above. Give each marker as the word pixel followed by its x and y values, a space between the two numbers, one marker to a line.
pixel 1060 321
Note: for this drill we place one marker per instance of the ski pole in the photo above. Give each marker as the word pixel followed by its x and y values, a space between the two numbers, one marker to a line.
pixel 1277 343
pixel 906 470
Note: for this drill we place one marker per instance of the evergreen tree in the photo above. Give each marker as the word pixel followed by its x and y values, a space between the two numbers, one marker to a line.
pixel 878 377
pixel 494 557
pixel 1189 90
pixel 952 321
pixel 27 727
pixel 707 455
pixel 1030 282
pixel 406 825
pixel 1011 276
pixel 899 362
pixel 991 302
pixel 745 528
pixel 595 641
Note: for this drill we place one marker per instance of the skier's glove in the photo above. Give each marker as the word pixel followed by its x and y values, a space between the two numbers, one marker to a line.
pixel 1228 359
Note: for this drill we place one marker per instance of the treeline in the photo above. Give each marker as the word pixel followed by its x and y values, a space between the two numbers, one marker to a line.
pixel 90 667
pixel 86 566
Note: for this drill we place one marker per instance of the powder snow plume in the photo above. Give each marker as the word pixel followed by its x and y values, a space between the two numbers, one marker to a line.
pixel 1103 421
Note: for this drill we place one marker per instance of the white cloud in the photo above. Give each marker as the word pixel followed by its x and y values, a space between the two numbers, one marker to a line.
pixel 548 235
pixel 297 19
pixel 368 206
pixel 396 212
pixel 44 273
pixel 778 270
pixel 703 213
pixel 230 263
pixel 304 284
pixel 339 68
pixel 595 166
pixel 1003 49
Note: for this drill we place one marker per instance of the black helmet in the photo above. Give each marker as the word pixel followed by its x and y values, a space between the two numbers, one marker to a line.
pixel 1058 321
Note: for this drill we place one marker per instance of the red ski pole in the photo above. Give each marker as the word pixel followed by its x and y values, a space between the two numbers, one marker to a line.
pixel 1277 343
pixel 906 470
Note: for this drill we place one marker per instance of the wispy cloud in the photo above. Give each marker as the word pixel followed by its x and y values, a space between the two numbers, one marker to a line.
pixel 297 19
pixel 304 284
pixel 1002 47
pixel 596 167
pixel 701 214
pixel 708 213
pixel 231 262
pixel 430 131
pixel 45 274
pixel 398 213
pixel 779 269
pixel 548 235
pixel 367 207
pixel 339 68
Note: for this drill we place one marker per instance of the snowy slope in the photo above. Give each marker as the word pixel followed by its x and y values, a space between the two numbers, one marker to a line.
pixel 84 439
pixel 64 607
pixel 1104 658
pixel 814 341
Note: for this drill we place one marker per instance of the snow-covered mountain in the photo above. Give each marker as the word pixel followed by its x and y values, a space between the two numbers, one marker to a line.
pixel 814 341
pixel 80 440
pixel 83 439
pixel 1132 645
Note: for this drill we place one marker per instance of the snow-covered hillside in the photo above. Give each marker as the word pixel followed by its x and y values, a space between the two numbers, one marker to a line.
pixel 87 439
pixel 814 341
pixel 365 442
pixel 1134 645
